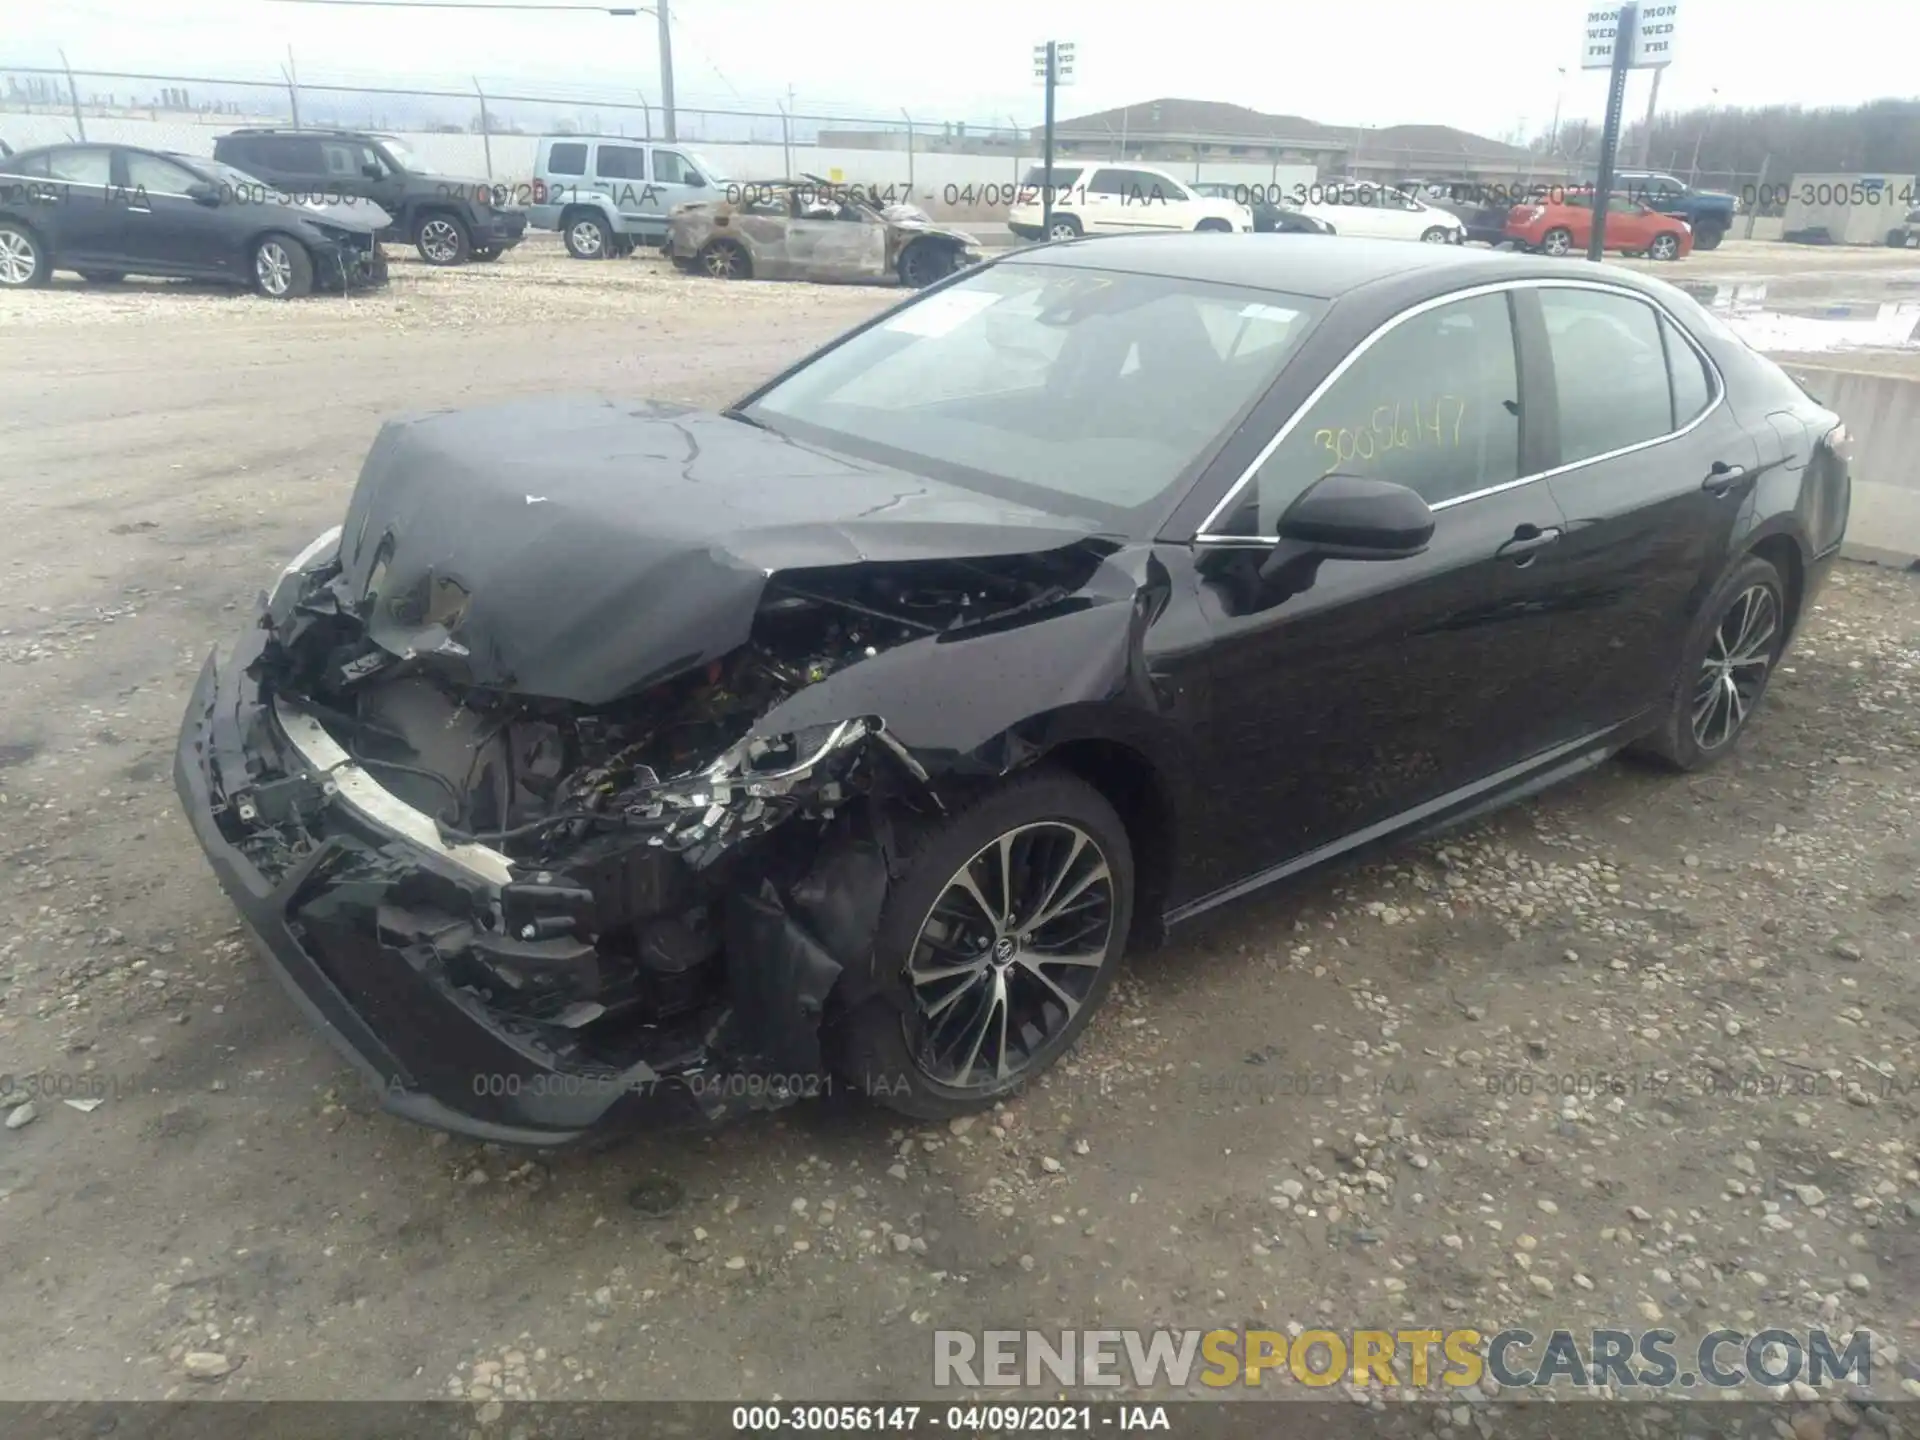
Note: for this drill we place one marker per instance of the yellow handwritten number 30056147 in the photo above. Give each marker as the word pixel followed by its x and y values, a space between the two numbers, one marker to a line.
pixel 1436 425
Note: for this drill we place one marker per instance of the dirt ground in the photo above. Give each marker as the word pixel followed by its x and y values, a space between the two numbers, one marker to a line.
pixel 1645 1049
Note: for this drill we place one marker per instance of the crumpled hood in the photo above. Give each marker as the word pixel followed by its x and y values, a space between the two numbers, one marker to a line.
pixel 362 217
pixel 582 548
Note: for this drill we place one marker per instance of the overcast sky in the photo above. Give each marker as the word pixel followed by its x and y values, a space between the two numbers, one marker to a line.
pixel 1484 67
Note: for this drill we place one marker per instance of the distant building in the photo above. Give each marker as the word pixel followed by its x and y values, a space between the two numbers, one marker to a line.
pixel 1172 131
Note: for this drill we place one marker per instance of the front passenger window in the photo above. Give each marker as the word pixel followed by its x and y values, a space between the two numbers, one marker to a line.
pixel 1433 404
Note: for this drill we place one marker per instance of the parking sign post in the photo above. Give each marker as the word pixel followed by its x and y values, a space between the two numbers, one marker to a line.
pixel 1052 67
pixel 1610 137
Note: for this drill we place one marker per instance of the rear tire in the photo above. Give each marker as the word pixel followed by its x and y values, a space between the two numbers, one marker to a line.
pixel 588 237
pixel 26 262
pixel 926 261
pixel 725 260
pixel 1065 227
pixel 907 1045
pixel 1724 670
pixel 1557 241
pixel 1665 246
pixel 1708 239
pixel 282 268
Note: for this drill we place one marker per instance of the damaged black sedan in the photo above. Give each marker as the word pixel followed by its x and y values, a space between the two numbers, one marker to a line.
pixel 616 760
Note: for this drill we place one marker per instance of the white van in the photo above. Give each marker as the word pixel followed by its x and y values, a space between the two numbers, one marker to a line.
pixel 606 194
pixel 1117 200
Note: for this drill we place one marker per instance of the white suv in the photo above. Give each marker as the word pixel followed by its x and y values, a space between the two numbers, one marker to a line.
pixel 1117 200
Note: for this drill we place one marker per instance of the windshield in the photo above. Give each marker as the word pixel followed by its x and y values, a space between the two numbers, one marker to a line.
pixel 402 156
pixel 706 167
pixel 1082 392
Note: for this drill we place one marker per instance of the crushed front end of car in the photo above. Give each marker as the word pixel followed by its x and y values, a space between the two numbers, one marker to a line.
pixel 545 850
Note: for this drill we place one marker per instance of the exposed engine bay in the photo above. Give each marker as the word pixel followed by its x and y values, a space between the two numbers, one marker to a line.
pixel 648 836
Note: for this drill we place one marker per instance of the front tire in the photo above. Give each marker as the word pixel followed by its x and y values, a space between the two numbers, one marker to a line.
pixel 25 261
pixel 1212 226
pixel 282 268
pixel 1724 670
pixel 1708 239
pixel 995 950
pixel 442 239
pixel 1435 235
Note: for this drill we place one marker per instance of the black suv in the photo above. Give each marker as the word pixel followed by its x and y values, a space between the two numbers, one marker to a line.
pixel 448 219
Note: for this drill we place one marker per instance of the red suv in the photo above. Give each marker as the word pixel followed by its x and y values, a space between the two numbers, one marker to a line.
pixel 1561 225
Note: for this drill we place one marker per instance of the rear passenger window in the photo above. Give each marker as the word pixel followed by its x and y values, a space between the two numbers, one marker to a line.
pixel 81 167
pixel 569 159
pixel 1610 369
pixel 1434 405
pixel 621 162
pixel 1692 385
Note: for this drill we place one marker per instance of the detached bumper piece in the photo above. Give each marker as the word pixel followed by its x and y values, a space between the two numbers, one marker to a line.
pixel 458 982
pixel 353 264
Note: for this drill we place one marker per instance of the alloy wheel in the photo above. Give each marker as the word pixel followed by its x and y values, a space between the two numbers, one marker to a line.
pixel 1557 242
pixel 1008 954
pixel 585 236
pixel 1664 247
pixel 1436 235
pixel 274 267
pixel 439 241
pixel 1063 231
pixel 723 262
pixel 1734 670
pixel 17 260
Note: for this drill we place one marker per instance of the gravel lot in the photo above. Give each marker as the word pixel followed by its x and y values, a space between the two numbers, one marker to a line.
pixel 1647 1049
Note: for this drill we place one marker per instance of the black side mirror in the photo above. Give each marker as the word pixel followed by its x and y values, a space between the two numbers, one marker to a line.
pixel 204 192
pixel 694 180
pixel 371 170
pixel 1349 517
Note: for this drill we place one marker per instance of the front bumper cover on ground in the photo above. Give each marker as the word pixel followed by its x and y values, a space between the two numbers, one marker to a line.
pixel 335 927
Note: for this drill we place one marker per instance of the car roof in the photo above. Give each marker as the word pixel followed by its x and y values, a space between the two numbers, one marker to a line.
pixel 619 139
pixel 1322 267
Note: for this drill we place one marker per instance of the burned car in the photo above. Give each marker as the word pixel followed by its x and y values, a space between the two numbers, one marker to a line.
pixel 614 760
pixel 814 229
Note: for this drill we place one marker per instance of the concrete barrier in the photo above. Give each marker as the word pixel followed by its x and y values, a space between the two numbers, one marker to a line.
pixel 1883 413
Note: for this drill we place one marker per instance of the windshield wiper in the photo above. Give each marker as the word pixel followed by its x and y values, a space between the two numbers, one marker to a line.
pixel 746 419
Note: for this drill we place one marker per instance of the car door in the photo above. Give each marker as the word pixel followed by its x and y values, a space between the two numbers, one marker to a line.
pixel 1151 201
pixel 1386 684
pixel 620 174
pixel 1096 201
pixel 852 245
pixel 676 181
pixel 86 215
pixel 1652 470
pixel 167 231
pixel 346 163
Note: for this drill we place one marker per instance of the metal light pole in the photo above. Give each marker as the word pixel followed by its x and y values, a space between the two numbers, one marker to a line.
pixel 1052 67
